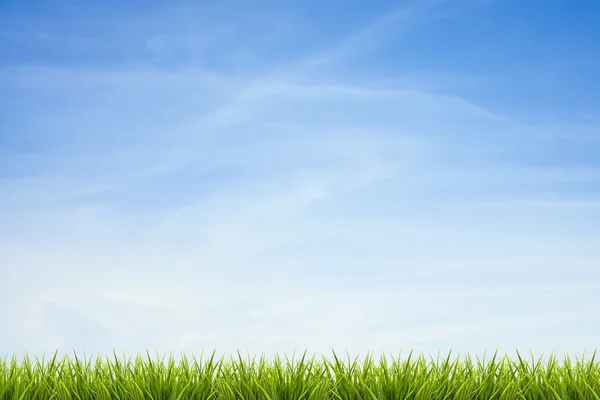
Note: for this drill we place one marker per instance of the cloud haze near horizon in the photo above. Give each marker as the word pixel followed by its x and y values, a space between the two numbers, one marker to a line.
pixel 194 177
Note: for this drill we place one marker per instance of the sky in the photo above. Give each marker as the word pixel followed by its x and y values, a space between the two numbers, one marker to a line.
pixel 278 176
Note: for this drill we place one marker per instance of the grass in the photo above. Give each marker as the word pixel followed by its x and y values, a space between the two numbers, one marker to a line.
pixel 414 378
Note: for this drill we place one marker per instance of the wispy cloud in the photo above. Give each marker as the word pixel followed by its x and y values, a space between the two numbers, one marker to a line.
pixel 188 205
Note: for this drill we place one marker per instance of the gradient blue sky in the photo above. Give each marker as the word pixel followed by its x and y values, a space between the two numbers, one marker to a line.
pixel 287 175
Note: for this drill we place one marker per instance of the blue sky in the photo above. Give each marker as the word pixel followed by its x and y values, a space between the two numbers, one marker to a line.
pixel 276 176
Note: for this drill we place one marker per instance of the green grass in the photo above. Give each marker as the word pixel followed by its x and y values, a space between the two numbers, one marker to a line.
pixel 413 378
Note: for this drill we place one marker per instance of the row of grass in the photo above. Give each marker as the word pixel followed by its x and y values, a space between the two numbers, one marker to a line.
pixel 413 378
